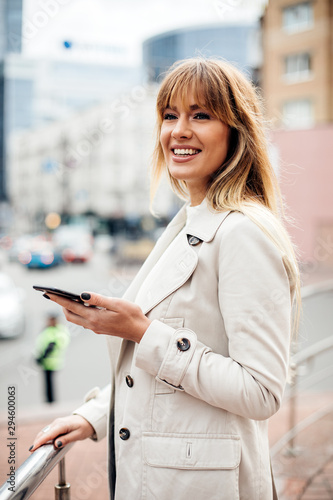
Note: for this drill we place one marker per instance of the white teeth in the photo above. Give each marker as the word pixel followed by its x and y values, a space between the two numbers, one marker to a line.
pixel 186 151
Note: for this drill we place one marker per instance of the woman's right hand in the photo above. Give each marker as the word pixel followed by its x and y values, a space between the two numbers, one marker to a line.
pixel 63 431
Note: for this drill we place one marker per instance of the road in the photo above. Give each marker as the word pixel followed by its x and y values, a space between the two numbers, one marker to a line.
pixel 87 363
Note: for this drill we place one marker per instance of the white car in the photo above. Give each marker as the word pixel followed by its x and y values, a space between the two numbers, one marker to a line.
pixel 12 314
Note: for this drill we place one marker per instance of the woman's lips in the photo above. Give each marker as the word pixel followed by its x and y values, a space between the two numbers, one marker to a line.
pixel 184 157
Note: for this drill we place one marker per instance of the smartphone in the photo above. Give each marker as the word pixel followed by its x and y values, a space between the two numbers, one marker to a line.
pixel 57 291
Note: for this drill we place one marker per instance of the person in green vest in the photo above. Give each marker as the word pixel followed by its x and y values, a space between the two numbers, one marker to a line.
pixel 51 345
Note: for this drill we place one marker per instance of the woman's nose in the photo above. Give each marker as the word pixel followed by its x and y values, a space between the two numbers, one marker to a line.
pixel 182 129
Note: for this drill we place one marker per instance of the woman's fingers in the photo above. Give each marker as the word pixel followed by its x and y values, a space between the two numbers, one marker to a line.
pixel 101 301
pixel 63 431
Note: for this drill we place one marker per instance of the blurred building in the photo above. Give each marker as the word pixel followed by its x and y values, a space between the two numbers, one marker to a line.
pixel 297 76
pixel 297 82
pixel 96 163
pixel 10 42
pixel 40 91
pixel 238 43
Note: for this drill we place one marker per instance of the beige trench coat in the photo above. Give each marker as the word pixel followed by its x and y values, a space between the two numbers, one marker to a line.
pixel 192 400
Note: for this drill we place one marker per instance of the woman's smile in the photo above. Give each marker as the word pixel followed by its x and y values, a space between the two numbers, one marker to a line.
pixel 183 153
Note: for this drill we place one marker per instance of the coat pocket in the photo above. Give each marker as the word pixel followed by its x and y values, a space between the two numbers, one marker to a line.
pixel 181 466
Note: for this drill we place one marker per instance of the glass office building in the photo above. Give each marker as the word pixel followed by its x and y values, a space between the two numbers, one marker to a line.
pixel 236 43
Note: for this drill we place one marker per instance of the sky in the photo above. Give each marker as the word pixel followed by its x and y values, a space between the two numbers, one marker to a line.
pixel 113 30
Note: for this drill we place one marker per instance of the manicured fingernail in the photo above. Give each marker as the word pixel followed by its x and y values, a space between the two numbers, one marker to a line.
pixel 46 296
pixel 31 447
pixel 85 296
pixel 59 444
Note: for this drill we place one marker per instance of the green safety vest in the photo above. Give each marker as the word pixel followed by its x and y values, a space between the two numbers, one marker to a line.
pixel 53 360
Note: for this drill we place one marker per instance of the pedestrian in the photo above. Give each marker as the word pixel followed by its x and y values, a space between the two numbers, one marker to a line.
pixel 51 345
pixel 199 345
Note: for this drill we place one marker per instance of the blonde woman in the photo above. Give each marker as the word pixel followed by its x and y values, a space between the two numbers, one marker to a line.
pixel 199 345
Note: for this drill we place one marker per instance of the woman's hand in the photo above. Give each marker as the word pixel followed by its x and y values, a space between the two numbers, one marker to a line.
pixel 110 316
pixel 63 431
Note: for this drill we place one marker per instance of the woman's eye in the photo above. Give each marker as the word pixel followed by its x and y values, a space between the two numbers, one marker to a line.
pixel 202 116
pixel 169 116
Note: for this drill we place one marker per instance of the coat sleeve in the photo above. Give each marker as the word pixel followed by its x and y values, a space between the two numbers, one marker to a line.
pixel 255 303
pixel 96 409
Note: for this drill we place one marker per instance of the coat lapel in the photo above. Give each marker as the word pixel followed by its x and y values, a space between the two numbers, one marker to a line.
pixel 171 231
pixel 170 272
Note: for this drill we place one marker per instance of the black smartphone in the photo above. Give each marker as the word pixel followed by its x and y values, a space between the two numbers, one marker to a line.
pixel 57 291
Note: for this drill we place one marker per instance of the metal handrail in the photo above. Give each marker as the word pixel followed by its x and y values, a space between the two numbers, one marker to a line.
pixel 310 290
pixel 312 351
pixel 33 472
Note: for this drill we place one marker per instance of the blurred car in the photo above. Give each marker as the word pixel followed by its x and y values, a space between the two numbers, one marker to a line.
pixel 12 314
pixel 74 243
pixel 20 244
pixel 40 255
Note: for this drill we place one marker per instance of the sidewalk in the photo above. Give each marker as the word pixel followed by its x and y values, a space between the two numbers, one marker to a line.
pixel 306 476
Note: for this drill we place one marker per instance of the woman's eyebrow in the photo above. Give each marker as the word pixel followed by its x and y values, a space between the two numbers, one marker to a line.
pixel 192 107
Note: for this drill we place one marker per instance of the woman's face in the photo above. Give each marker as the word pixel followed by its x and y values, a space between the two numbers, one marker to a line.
pixel 195 145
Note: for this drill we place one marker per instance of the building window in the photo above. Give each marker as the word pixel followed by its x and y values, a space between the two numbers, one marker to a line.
pixel 297 67
pixel 297 17
pixel 298 114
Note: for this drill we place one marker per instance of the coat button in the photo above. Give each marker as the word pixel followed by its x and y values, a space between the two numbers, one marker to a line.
pixel 183 344
pixel 193 241
pixel 129 381
pixel 124 434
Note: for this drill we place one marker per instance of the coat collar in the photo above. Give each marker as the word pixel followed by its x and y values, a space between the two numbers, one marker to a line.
pixel 206 222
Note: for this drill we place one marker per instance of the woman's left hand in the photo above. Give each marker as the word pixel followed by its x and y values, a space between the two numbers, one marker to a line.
pixel 111 316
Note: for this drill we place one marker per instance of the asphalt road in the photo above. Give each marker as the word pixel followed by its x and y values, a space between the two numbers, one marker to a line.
pixel 87 362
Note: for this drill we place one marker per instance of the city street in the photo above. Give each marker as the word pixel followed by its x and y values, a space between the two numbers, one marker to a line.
pixel 87 362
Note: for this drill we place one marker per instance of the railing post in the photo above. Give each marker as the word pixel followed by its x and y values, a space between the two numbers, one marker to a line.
pixel 292 449
pixel 62 490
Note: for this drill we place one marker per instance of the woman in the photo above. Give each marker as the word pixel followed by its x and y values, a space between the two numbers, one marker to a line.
pixel 200 343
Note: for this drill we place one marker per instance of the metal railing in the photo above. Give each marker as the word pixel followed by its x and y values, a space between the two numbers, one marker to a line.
pixel 34 470
pixel 303 357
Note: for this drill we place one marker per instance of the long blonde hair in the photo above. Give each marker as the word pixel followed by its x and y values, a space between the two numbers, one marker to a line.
pixel 246 181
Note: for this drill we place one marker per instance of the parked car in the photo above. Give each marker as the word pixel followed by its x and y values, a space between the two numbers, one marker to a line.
pixel 41 254
pixel 12 314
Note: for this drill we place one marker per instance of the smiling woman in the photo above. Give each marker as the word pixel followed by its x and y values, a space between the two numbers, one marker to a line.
pixel 199 344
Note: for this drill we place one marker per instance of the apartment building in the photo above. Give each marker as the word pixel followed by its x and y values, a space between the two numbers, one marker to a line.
pixel 297 75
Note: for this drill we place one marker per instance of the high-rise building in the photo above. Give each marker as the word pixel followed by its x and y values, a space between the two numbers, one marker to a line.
pixel 10 41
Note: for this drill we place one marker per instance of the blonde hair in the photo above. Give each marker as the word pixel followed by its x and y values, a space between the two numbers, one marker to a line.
pixel 246 181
